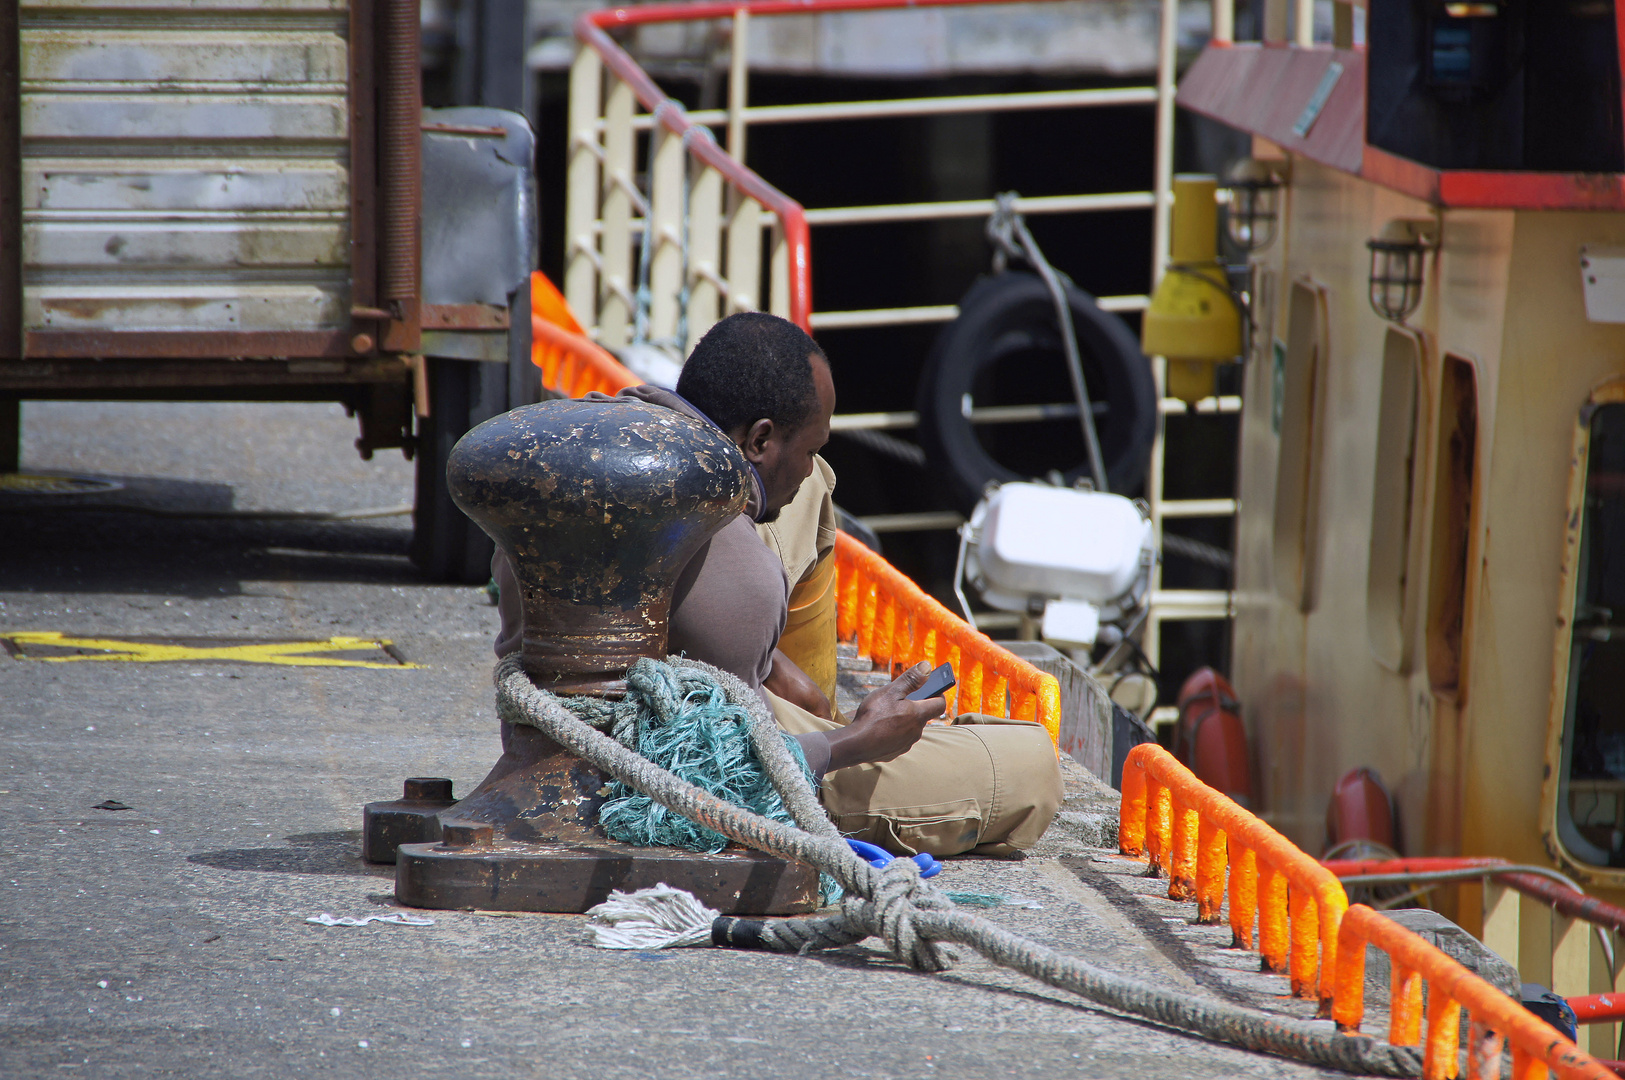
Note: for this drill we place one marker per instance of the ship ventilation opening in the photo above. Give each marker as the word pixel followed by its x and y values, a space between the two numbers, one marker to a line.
pixel 1591 803
pixel 1388 604
pixel 1455 460
pixel 1297 497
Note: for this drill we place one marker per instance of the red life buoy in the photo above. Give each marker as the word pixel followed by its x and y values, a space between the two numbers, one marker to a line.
pixel 1210 739
pixel 1360 809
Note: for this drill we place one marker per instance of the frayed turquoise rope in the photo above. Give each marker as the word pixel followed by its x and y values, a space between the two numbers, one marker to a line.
pixel 693 731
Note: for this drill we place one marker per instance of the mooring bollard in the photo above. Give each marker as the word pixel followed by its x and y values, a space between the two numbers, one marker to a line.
pixel 599 506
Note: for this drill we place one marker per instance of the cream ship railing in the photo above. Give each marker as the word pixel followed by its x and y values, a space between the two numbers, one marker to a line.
pixel 658 262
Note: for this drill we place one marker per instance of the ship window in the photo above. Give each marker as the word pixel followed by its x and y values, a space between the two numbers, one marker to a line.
pixel 1389 609
pixel 1454 459
pixel 1297 466
pixel 1591 802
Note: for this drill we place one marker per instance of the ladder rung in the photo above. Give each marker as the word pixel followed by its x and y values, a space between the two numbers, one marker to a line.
pixel 1174 605
pixel 924 521
pixel 1229 403
pixel 905 316
pixel 962 208
pixel 1196 508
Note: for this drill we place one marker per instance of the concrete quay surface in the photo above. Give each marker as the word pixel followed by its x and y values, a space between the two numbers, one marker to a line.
pixel 170 938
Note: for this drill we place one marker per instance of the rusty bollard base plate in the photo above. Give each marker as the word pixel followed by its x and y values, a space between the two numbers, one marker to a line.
pixel 414 818
pixel 564 878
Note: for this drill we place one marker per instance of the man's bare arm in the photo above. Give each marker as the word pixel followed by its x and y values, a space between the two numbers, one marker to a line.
pixel 797 687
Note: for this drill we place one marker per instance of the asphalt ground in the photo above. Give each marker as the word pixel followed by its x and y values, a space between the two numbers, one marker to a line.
pixel 170 938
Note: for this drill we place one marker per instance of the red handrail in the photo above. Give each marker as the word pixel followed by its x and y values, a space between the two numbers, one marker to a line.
pixel 591 29
pixel 1598 1008
pixel 1565 901
pixel 699 140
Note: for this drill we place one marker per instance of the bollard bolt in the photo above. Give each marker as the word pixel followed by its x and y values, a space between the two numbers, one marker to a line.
pixel 466 834
pixel 427 789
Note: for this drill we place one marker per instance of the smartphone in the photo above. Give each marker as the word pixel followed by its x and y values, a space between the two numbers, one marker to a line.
pixel 937 683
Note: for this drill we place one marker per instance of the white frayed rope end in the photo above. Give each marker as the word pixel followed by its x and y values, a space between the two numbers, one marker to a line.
pixel 656 918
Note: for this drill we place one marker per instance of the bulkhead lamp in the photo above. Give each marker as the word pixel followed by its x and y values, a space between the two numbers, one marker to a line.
pixel 1193 320
pixel 1255 203
pixel 1397 257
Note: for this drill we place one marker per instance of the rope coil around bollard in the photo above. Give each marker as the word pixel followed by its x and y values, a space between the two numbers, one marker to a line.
pixel 916 920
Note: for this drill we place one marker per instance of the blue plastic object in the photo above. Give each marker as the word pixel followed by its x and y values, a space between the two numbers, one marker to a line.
pixel 878 856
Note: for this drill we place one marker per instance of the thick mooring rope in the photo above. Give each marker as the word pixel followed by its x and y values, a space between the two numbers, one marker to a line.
pixel 914 919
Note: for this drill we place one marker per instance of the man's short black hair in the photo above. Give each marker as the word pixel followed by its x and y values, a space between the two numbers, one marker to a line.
pixel 752 366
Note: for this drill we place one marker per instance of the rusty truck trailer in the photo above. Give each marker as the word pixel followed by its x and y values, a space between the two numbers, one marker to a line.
pixel 222 200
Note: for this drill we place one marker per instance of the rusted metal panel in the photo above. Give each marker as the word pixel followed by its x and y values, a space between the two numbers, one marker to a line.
pixel 11 214
pixel 206 186
pixel 576 877
pixel 311 378
pixel 400 169
pixel 464 317
pixel 466 332
pixel 186 169
pixel 114 344
pixel 363 165
pixel 135 245
pixel 118 306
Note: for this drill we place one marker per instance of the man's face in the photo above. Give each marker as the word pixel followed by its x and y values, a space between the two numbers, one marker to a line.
pixel 783 456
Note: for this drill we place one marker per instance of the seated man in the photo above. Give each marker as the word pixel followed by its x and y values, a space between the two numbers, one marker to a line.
pixel 985 784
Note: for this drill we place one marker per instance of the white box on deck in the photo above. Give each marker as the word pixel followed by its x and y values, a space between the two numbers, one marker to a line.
pixel 1051 541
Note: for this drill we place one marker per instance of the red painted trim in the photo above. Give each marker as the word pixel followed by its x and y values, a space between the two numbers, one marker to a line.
pixel 1400 174
pixel 1261 90
pixel 1532 190
pixel 1564 900
pixel 1598 1008
pixel 1467 188
pixel 722 9
pixel 1619 37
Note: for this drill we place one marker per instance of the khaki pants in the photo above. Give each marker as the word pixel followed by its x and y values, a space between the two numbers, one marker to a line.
pixel 985 784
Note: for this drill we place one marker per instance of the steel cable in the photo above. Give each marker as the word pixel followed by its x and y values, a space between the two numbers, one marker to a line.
pixel 889 445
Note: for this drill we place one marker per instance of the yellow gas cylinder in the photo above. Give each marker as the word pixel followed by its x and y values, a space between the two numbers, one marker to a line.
pixel 1193 322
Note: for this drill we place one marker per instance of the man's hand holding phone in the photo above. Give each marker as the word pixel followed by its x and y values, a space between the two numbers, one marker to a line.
pixel 892 719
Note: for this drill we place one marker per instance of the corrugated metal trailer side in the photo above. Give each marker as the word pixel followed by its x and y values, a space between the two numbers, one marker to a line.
pixel 206 180
pixel 222 199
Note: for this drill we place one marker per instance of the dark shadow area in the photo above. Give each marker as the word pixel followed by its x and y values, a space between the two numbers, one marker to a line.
pixel 329 853
pixel 863 958
pixel 121 494
pixel 1155 930
pixel 110 543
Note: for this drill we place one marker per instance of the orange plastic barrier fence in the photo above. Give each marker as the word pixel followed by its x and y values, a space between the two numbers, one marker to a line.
pixel 572 363
pixel 894 621
pixel 1494 1019
pixel 1193 834
pixel 1306 927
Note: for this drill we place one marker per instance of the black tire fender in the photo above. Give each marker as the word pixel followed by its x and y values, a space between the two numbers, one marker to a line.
pixel 1009 311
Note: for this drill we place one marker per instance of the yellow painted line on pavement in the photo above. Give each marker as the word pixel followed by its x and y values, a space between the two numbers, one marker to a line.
pixel 288 653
